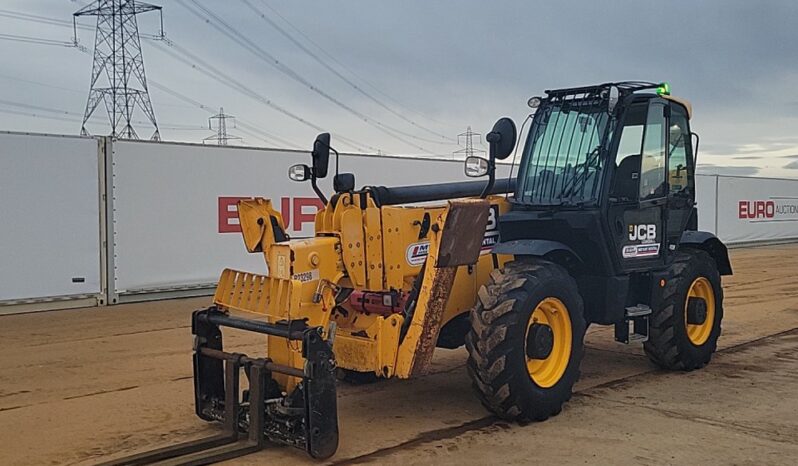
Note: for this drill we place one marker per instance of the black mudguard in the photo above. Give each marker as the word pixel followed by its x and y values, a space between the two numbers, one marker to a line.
pixel 552 250
pixel 710 243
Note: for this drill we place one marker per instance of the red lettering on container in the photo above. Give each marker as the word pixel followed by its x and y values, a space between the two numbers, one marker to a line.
pixel 228 214
pixel 756 209
pixel 296 208
pixel 301 217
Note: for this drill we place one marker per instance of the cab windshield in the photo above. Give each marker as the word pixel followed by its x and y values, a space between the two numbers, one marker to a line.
pixel 561 163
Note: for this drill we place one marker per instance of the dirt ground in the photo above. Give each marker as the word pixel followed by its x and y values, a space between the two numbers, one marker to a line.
pixel 80 386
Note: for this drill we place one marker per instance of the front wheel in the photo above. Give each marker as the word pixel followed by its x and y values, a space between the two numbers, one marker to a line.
pixel 526 340
pixel 684 331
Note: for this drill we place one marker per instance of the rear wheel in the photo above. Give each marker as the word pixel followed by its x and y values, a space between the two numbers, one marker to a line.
pixel 526 340
pixel 684 331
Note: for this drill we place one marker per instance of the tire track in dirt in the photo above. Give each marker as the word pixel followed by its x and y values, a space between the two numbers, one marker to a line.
pixel 493 421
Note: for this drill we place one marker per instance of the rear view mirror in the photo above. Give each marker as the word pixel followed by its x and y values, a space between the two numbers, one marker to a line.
pixel 321 155
pixel 344 183
pixel 502 139
pixel 299 172
pixel 476 166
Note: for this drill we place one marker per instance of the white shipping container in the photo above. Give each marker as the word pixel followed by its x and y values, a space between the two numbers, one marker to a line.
pixel 49 217
pixel 174 219
pixel 757 209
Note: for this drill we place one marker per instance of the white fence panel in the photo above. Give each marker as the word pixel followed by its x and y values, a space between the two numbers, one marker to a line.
pixel 172 223
pixel 174 219
pixel 50 214
pixel 757 209
pixel 706 201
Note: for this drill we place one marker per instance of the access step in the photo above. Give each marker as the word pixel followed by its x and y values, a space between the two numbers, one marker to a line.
pixel 634 328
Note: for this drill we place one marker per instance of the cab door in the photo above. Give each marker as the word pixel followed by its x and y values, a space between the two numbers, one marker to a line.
pixel 681 175
pixel 638 194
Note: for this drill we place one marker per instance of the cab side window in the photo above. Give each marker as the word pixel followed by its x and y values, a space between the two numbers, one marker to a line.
pixel 652 167
pixel 680 166
pixel 626 182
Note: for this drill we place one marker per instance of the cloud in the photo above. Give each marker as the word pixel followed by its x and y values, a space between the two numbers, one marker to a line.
pixel 445 65
pixel 709 169
pixel 792 165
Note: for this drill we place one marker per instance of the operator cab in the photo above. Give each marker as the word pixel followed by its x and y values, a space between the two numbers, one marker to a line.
pixel 621 153
pixel 606 186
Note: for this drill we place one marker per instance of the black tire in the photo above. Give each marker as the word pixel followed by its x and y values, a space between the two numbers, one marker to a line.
pixel 497 361
pixel 669 345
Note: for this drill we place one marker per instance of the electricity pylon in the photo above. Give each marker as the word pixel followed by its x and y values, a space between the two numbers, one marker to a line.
pixel 117 76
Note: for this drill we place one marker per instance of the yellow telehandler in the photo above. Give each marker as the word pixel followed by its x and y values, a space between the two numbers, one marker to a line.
pixel 598 226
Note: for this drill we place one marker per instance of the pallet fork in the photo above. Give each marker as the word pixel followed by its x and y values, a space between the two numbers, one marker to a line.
pixel 307 419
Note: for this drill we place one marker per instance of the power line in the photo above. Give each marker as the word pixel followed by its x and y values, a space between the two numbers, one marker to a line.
pixel 66 115
pixel 219 24
pixel 35 115
pixel 321 61
pixel 118 59
pixel 39 19
pixel 35 40
pixel 214 73
pixel 252 130
pixel 242 88
pixel 69 89
pixel 348 69
pixel 244 127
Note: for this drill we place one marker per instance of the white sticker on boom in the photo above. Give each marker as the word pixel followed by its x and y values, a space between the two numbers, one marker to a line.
pixel 417 252
pixel 308 276
pixel 636 251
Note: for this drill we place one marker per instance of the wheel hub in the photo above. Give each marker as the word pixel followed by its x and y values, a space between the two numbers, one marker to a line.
pixel 699 311
pixel 696 311
pixel 547 345
pixel 539 341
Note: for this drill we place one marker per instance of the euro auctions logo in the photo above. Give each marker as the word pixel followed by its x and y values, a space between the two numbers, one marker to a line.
pixel 756 209
pixel 774 209
pixel 297 212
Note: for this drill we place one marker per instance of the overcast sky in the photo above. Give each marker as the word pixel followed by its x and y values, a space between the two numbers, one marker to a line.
pixel 427 70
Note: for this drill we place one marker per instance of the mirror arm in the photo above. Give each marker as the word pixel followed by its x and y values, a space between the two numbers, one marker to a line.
pixel 491 171
pixel 337 159
pixel 491 180
pixel 695 151
pixel 316 189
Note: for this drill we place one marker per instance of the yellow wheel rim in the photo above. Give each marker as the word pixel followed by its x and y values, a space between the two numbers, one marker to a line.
pixel 547 372
pixel 699 333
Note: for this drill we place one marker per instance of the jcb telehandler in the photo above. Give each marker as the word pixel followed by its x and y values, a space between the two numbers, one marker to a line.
pixel 599 226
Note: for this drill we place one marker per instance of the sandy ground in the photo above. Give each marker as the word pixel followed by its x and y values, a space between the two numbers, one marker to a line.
pixel 81 386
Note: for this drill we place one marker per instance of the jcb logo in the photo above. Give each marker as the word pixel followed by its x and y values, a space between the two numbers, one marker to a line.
pixel 642 232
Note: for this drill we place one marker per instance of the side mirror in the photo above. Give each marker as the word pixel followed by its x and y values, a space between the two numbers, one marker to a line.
pixel 476 166
pixel 321 155
pixel 502 142
pixel 502 139
pixel 299 172
pixel 344 182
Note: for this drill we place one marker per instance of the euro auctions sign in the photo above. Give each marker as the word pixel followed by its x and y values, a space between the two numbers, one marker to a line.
pixel 298 214
pixel 774 209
